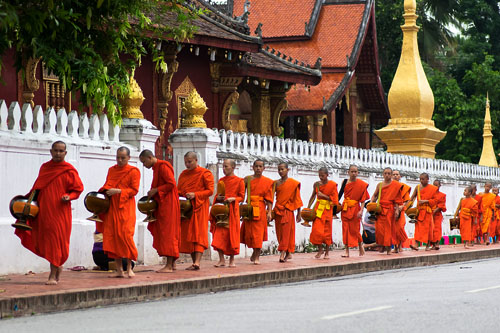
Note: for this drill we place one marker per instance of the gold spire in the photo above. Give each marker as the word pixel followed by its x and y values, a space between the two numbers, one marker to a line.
pixel 133 100
pixel 411 129
pixel 194 108
pixel 488 157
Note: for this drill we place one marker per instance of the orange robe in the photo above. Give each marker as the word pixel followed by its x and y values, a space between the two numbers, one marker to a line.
pixel 398 229
pixel 166 230
pixel 355 194
pixel 254 232
pixel 424 225
pixel 468 210
pixel 390 196
pixel 476 228
pixel 437 231
pixel 228 239
pixel 119 220
pixel 487 210
pixel 497 217
pixel 194 232
pixel 321 232
pixel 287 200
pixel 51 231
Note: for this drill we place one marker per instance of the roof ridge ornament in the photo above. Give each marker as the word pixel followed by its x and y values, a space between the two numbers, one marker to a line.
pixel 258 30
pixel 246 12
pixel 317 65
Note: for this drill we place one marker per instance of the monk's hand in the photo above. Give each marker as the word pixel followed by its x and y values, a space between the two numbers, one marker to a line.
pixel 269 216
pixel 360 214
pixel 152 192
pixel 113 191
pixel 229 200
pixel 298 218
pixel 424 201
pixel 65 198
pixel 220 198
pixel 190 195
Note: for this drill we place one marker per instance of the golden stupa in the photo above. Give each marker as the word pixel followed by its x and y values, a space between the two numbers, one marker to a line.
pixel 488 157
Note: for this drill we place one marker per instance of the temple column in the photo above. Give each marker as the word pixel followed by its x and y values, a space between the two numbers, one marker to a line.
pixel 318 127
pixel 364 130
pixel 278 104
pixel 350 122
pixel 261 111
pixel 331 129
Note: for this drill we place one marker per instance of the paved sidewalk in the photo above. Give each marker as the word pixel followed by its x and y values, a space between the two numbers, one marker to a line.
pixel 22 295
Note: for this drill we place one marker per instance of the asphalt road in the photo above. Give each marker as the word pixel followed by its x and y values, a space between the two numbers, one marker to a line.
pixel 462 297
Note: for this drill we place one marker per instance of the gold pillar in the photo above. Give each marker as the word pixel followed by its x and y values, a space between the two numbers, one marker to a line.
pixel 133 100
pixel 488 157
pixel 411 129
pixel 261 112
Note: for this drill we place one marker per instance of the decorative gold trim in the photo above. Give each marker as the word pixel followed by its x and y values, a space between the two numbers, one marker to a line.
pixel 194 108
pixel 181 94
pixel 282 105
pixel 226 109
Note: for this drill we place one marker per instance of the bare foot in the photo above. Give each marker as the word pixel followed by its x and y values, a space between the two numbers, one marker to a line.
pixel 193 267
pixel 232 264
pixel 282 256
pixel 51 282
pixel 117 275
pixel 130 274
pixel 256 261
pixel 165 269
pixel 361 250
pixel 319 254
pixel 388 250
pixel 413 247
pixel 327 256
pixel 427 248
pixel 288 256
pixel 220 264
pixel 346 254
pixel 252 257
pixel 58 273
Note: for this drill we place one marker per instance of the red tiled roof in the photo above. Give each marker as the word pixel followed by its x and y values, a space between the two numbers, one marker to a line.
pixel 278 17
pixel 334 38
pixel 301 99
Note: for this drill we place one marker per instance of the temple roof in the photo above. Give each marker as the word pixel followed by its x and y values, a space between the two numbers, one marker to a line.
pixel 341 32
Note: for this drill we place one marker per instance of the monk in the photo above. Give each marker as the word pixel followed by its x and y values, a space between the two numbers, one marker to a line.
pixel 437 213
pixel 492 230
pixel 426 195
pixel 287 201
pixel 327 197
pixel 399 235
pixel 476 230
pixel 388 195
pixel 497 215
pixel 355 194
pixel 56 185
pixel 487 208
pixel 122 185
pixel 166 230
pixel 468 210
pixel 196 184
pixel 230 191
pixel 254 231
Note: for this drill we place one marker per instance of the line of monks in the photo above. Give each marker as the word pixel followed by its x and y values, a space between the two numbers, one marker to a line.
pixel 58 183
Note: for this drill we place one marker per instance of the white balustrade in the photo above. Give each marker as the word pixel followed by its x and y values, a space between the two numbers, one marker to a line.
pixel 37 123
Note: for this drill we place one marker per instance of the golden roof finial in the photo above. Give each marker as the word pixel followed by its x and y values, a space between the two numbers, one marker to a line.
pixel 133 100
pixel 194 108
pixel 488 157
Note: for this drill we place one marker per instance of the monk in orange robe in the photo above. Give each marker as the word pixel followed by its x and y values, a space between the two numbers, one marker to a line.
pixel 254 232
pixel 399 235
pixel 437 212
pixel 388 195
pixel 230 191
pixel 468 211
pixel 287 200
pixel 497 215
pixel 327 198
pixel 122 185
pixel 196 184
pixel 426 195
pixel 166 230
pixel 487 207
pixel 355 194
pixel 492 229
pixel 56 185
pixel 476 229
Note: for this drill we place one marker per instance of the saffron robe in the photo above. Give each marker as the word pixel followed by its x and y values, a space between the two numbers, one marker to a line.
pixel 468 210
pixel 224 239
pixel 119 220
pixel 355 194
pixel 254 232
pixel 321 232
pixel 497 217
pixel 287 200
pixel 437 231
pixel 424 225
pixel 166 230
pixel 398 229
pixel 51 231
pixel 487 210
pixel 390 196
pixel 194 231
pixel 476 228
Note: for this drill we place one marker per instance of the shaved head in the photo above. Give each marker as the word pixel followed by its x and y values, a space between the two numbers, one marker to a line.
pixel 124 149
pixel 191 154
pixel 59 143
pixel 146 153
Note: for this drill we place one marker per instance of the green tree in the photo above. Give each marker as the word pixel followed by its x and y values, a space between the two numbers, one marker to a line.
pixel 92 46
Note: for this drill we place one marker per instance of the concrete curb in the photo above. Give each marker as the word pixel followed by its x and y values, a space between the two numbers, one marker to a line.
pixel 88 298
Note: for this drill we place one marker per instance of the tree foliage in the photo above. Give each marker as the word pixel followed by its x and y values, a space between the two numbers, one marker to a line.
pixel 92 46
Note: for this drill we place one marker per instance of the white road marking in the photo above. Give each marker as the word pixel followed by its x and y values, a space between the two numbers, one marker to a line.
pixel 353 313
pixel 482 289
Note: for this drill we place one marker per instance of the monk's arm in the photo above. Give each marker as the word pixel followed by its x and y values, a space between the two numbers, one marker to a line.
pixel 334 196
pixel 313 195
pixel 375 194
pixel 208 182
pixel 133 184
pixel 75 186
pixel 169 180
